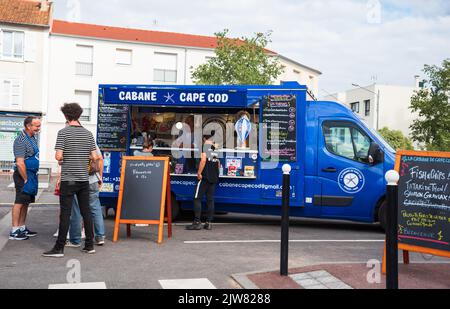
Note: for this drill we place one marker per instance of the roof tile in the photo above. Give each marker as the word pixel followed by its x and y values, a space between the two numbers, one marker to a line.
pixel 26 12
pixel 132 35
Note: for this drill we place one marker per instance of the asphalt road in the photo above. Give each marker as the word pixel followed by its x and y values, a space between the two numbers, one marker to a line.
pixel 237 244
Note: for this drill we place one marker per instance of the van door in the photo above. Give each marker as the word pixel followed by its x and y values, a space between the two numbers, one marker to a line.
pixel 350 185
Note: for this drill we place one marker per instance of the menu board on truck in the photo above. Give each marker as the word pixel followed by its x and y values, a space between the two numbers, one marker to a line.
pixel 279 120
pixel 112 128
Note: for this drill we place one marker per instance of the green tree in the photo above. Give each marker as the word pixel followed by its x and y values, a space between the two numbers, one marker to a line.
pixel 432 128
pixel 239 62
pixel 396 139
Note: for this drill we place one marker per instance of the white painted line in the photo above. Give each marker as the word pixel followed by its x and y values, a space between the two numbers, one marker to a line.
pixel 183 284
pixel 78 286
pixel 277 241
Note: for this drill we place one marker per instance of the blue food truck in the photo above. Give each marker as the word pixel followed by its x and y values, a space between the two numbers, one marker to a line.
pixel 338 163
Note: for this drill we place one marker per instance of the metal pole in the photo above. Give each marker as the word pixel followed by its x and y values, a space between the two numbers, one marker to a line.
pixel 285 221
pixel 391 231
pixel 378 110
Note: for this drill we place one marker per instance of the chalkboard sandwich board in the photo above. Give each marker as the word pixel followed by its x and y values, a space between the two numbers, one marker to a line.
pixel 144 194
pixel 424 202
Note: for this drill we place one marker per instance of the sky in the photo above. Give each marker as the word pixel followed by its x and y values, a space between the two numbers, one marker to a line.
pixel 349 41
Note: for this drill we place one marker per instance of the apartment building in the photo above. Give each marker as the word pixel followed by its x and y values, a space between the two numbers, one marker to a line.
pixel 24 33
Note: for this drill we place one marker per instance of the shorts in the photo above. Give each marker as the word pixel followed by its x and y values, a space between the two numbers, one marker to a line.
pixel 21 198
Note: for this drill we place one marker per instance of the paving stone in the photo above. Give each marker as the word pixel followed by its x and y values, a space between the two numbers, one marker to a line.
pixel 329 279
pixel 307 282
pixel 301 276
pixel 319 274
pixel 338 285
pixel 316 287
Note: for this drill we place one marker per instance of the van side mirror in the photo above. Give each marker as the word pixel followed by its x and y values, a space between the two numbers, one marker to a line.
pixel 376 155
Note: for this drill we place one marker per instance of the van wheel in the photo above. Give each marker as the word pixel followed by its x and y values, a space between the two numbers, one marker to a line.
pixel 175 207
pixel 382 215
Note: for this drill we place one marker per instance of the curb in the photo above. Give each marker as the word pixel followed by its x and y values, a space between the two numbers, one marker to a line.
pixel 245 282
pixel 5 226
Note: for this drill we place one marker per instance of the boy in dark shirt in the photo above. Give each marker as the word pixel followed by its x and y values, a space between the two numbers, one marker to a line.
pixel 208 177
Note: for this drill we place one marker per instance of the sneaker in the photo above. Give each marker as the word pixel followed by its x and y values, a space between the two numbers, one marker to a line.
pixel 29 233
pixel 194 226
pixel 100 240
pixel 208 226
pixel 18 235
pixel 70 244
pixel 54 253
pixel 88 250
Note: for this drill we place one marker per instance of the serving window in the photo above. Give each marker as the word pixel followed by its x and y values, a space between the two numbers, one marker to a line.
pixel 178 132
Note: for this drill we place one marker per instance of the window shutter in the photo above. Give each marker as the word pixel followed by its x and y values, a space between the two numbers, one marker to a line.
pixel 30 46
pixel 17 94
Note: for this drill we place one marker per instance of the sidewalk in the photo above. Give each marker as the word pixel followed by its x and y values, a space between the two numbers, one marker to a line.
pixel 432 275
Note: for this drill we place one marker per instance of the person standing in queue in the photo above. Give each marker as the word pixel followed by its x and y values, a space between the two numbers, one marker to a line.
pixel 75 146
pixel 208 177
pixel 26 153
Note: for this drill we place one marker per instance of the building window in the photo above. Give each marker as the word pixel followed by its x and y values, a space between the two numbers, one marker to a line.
pixel 11 93
pixel 123 56
pixel 165 70
pixel 84 99
pixel 367 107
pixel 12 45
pixel 84 62
pixel 355 107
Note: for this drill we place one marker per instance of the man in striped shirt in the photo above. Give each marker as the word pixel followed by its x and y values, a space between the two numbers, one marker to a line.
pixel 74 147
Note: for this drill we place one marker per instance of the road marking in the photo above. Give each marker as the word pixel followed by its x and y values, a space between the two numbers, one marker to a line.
pixel 278 241
pixel 78 286
pixel 183 284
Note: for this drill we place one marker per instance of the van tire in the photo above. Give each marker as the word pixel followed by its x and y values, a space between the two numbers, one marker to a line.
pixel 382 215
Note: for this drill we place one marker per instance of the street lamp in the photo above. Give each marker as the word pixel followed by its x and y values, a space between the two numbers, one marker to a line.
pixel 378 101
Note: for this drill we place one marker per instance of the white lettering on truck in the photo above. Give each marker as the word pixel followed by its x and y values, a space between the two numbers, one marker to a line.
pixel 137 96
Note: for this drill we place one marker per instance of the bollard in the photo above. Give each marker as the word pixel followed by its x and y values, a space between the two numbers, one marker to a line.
pixel 285 220
pixel 392 178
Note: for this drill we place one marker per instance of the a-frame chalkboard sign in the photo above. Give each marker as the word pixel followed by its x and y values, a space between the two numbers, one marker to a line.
pixel 423 203
pixel 144 194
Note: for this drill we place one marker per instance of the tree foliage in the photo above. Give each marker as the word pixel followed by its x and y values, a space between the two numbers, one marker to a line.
pixel 396 139
pixel 432 128
pixel 239 62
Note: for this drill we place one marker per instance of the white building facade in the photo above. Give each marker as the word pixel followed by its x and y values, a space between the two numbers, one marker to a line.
pixel 83 56
pixel 380 106
pixel 24 33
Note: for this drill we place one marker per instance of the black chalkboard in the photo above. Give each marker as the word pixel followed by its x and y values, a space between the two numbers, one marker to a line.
pixel 424 200
pixel 280 110
pixel 142 189
pixel 112 127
